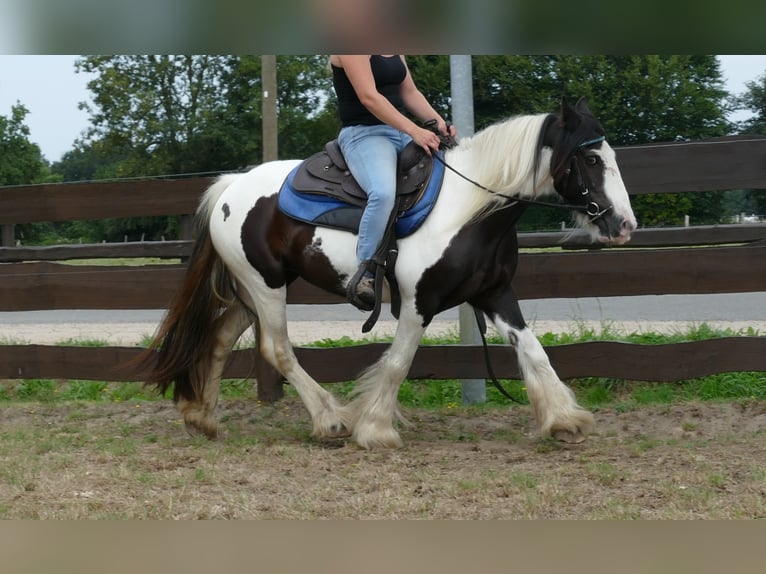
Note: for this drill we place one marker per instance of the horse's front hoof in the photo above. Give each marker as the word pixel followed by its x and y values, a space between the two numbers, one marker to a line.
pixel 371 437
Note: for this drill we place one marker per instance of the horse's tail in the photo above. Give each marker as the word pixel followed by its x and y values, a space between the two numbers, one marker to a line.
pixel 183 344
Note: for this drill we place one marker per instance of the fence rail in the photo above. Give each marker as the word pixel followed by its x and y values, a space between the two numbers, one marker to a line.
pixel 671 362
pixel 709 259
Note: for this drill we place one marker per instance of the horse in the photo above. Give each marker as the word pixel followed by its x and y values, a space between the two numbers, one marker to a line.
pixel 247 252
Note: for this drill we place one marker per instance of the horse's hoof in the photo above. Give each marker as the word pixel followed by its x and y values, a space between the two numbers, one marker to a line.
pixel 570 437
pixel 194 430
pixel 335 431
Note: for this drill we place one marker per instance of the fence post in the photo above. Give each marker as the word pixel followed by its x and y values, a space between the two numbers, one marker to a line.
pixel 186 227
pixel 7 235
pixel 269 381
pixel 269 107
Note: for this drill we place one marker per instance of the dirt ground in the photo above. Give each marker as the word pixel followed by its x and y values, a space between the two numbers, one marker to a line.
pixel 134 460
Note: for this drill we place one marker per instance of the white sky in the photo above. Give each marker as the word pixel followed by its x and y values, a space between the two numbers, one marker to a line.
pixel 51 90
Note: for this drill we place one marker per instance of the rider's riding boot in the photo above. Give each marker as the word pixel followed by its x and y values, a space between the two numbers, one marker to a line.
pixel 365 290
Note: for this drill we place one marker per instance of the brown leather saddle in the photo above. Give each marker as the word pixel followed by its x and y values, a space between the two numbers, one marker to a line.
pixel 327 173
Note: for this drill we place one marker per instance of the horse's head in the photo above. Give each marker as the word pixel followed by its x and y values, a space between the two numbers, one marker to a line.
pixel 585 174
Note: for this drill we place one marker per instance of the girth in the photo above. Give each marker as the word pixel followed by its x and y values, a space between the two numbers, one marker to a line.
pixel 326 173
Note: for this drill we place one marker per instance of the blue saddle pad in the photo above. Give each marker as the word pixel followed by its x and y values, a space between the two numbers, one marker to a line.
pixel 326 211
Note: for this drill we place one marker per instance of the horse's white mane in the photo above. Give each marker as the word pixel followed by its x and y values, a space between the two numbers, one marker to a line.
pixel 501 157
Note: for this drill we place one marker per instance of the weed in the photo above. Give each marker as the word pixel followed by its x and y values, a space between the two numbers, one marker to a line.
pixel 522 479
pixel 84 391
pixel 717 480
pixel 604 473
pixel 37 390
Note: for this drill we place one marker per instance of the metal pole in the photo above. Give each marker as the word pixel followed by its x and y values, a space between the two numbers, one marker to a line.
pixel 269 109
pixel 473 390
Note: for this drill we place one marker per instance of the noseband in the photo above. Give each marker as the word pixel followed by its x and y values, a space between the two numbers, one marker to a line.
pixel 592 209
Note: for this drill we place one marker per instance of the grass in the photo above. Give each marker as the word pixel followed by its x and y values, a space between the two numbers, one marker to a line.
pixel 592 393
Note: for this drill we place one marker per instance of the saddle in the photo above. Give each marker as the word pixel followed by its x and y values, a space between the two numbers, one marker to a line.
pixel 326 173
pixel 322 191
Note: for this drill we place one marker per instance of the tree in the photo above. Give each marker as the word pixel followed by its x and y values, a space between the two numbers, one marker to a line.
pixel 21 161
pixel 158 113
pixel 187 114
pixel 639 99
pixel 164 115
pixel 754 99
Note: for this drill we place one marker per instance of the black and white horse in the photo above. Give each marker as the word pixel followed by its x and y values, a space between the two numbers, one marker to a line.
pixel 465 251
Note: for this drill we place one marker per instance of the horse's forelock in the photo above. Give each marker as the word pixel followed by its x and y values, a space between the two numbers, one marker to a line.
pixel 565 143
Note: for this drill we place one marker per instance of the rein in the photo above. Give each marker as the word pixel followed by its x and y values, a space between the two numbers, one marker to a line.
pixel 592 209
pixel 482 324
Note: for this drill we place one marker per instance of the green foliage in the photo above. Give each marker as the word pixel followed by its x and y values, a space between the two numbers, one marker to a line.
pixel 20 160
pixel 38 390
pixel 639 99
pixel 753 100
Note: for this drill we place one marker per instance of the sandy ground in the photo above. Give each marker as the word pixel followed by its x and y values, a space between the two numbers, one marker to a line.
pixel 302 332
pixel 133 460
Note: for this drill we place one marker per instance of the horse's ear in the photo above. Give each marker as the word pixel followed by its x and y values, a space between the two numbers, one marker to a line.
pixel 569 115
pixel 582 106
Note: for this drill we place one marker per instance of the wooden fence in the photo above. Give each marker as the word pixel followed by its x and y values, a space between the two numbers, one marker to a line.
pixel 709 259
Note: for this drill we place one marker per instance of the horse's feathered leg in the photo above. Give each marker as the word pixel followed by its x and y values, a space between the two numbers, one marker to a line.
pixel 557 412
pixel 199 414
pixel 194 338
pixel 375 408
pixel 270 305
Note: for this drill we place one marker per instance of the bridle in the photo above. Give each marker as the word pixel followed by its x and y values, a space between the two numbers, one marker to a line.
pixel 591 208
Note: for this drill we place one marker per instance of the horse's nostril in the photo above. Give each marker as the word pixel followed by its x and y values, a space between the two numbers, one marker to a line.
pixel 628 225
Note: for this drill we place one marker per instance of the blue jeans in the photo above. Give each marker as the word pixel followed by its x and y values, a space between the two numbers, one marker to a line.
pixel 371 153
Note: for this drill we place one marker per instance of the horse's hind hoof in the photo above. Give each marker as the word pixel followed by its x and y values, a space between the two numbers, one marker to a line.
pixel 570 437
pixel 195 431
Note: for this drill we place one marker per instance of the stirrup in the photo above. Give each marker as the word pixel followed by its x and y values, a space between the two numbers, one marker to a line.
pixel 353 297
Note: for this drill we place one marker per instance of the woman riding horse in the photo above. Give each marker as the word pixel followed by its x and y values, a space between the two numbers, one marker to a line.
pixel 248 251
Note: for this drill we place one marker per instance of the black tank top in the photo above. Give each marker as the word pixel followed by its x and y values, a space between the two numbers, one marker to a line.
pixel 389 73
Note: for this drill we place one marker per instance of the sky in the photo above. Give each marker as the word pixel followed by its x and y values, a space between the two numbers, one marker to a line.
pixel 51 90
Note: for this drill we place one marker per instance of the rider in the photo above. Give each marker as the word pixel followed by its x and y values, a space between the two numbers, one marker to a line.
pixel 373 93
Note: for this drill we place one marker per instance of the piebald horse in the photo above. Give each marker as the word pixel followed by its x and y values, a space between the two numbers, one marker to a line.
pixel 247 252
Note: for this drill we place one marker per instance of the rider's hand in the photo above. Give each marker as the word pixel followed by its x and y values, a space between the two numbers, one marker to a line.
pixel 426 139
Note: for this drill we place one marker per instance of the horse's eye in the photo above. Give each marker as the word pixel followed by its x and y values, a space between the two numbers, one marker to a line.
pixel 591 160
